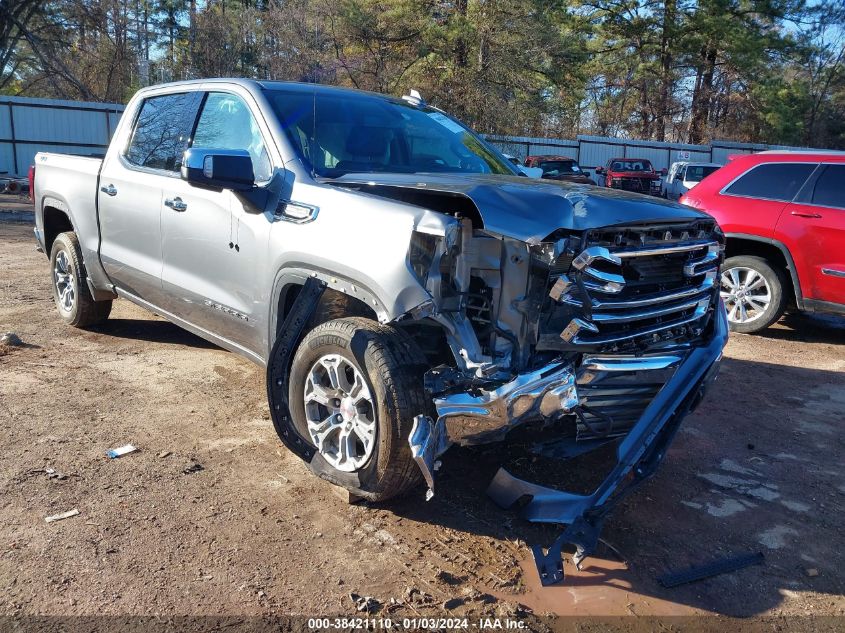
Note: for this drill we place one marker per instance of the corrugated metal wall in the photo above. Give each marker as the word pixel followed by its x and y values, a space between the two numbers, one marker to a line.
pixel 29 126
pixel 593 151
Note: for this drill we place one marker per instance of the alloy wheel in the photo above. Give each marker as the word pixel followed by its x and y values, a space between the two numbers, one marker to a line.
pixel 340 413
pixel 746 294
pixel 63 279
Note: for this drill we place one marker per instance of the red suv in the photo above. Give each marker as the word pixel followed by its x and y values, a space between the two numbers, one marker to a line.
pixel 783 214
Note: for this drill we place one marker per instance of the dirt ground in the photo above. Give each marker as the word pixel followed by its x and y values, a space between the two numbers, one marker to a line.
pixel 757 468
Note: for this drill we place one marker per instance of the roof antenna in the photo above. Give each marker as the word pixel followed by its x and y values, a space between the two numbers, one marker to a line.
pixel 414 98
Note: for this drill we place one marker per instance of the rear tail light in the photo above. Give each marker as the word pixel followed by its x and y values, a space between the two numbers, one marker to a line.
pixel 31 177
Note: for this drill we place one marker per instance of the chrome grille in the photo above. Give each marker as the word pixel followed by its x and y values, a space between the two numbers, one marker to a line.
pixel 644 287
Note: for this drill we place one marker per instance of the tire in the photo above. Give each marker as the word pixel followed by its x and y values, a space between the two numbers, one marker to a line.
pixel 73 299
pixel 392 368
pixel 754 278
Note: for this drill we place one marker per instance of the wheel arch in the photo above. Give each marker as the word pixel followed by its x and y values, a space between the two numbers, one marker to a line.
pixel 56 219
pixel 770 250
pixel 341 298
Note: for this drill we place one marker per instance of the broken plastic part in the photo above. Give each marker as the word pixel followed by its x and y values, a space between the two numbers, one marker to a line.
pixel 638 455
pixel 428 440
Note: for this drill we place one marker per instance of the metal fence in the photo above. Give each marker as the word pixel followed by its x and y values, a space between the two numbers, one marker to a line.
pixel 29 126
pixel 595 151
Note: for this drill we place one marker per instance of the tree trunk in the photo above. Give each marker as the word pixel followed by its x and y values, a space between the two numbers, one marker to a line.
pixel 667 37
pixel 702 95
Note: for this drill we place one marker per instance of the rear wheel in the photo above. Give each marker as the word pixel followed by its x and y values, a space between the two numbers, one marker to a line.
pixel 753 293
pixel 73 299
pixel 355 387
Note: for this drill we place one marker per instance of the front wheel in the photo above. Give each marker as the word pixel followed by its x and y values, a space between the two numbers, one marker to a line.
pixel 355 387
pixel 73 299
pixel 753 293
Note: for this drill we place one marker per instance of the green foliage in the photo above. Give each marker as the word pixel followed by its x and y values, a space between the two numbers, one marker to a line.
pixel 683 70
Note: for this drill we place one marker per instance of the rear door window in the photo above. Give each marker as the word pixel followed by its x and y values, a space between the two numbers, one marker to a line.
pixel 772 181
pixel 830 187
pixel 162 131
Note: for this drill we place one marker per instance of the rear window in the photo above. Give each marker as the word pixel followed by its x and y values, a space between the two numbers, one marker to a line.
pixel 631 165
pixel 161 132
pixel 830 187
pixel 772 181
pixel 697 173
pixel 558 167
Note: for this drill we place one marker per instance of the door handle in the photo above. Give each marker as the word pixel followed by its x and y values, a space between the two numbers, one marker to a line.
pixel 109 191
pixel 805 214
pixel 176 204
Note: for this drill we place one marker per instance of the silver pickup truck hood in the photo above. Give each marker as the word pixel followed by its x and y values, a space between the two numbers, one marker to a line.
pixel 530 210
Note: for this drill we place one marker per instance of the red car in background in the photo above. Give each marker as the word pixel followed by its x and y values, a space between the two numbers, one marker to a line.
pixel 783 214
pixel 560 168
pixel 630 174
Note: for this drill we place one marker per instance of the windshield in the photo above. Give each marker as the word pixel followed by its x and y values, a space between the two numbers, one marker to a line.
pixel 558 167
pixel 367 133
pixel 631 165
pixel 697 173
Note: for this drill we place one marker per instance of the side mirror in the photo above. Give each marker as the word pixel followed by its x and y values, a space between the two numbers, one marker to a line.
pixel 599 170
pixel 218 169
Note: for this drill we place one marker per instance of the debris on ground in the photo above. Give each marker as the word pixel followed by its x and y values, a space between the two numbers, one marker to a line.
pixel 164 454
pixel 721 566
pixel 61 516
pixel 364 603
pixel 452 603
pixel 11 339
pixel 811 572
pixel 120 451
pixel 194 467
pixel 52 473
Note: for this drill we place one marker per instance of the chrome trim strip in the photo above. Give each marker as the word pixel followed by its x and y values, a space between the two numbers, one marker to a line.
pixel 700 311
pixel 708 284
pixel 665 250
pixel 605 277
pixel 630 363
pixel 627 317
pixel 712 256
pixel 478 418
pixel 833 273
pixel 282 214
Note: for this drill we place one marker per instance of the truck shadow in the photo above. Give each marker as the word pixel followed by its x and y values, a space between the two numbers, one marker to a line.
pixel 751 470
pixel 808 328
pixel 153 331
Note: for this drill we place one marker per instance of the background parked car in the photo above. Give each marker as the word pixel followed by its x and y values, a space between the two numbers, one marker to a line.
pixel 630 174
pixel 783 214
pixel 559 168
pixel 528 171
pixel 683 176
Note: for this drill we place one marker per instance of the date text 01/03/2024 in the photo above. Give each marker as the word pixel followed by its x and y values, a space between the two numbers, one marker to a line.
pixel 412 624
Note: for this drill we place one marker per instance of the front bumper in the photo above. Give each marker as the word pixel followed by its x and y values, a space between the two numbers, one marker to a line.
pixel 638 456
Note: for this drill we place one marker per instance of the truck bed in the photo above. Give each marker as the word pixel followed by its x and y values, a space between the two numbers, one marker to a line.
pixel 69 184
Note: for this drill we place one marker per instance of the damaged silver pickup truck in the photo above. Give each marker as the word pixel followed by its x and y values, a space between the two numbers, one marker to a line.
pixel 405 287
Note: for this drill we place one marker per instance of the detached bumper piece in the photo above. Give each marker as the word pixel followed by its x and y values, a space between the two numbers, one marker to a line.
pixel 638 455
